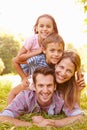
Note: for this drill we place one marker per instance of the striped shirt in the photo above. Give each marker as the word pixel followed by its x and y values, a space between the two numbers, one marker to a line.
pixel 33 63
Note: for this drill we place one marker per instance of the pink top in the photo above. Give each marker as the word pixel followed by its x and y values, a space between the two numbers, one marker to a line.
pixel 31 43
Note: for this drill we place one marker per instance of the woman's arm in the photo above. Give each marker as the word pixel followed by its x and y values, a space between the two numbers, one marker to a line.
pixel 16 122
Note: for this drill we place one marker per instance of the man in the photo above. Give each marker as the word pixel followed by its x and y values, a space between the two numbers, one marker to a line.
pixel 32 101
pixel 44 98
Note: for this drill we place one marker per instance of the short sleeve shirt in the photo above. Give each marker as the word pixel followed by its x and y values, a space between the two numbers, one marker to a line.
pixel 31 43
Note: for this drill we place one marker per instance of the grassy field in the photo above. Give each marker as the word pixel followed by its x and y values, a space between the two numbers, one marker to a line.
pixel 9 81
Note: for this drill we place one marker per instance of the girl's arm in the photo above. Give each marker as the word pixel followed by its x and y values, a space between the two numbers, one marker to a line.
pixel 17 66
pixel 24 54
pixel 23 75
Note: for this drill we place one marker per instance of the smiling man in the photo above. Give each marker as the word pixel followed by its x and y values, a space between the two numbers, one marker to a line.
pixel 42 99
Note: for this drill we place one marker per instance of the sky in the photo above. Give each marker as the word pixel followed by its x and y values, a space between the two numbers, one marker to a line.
pixel 19 17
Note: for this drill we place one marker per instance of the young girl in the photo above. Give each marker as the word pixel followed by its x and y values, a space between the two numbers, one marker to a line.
pixel 44 26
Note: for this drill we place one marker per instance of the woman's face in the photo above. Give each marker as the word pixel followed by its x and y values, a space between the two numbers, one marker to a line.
pixel 64 70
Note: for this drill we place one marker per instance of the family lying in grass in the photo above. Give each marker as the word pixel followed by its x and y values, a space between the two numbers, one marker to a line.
pixel 56 80
pixel 49 96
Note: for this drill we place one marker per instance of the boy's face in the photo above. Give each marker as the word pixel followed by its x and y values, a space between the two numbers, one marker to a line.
pixel 44 88
pixel 53 53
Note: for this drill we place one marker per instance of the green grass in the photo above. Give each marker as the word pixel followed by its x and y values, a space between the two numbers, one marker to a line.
pixel 5 86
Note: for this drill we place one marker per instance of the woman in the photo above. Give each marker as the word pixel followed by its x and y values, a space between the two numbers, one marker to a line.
pixel 67 89
pixel 65 76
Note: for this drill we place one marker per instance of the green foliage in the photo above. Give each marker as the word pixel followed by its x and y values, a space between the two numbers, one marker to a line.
pixel 83 54
pixel 84 2
pixel 9 48
pixel 2 67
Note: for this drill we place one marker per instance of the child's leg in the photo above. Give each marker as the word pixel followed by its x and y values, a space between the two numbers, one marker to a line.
pixel 14 92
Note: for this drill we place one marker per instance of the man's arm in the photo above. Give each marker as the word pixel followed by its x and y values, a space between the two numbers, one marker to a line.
pixel 14 121
pixel 67 121
pixel 16 108
pixel 40 121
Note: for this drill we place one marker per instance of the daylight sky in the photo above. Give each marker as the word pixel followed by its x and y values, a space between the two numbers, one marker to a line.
pixel 19 17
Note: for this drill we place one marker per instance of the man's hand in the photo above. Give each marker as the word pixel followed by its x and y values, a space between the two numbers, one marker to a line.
pixel 42 122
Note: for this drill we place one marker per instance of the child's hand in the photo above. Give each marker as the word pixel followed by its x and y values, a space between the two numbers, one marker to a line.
pixel 25 82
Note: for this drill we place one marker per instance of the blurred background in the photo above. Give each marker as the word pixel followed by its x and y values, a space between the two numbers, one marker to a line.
pixel 17 18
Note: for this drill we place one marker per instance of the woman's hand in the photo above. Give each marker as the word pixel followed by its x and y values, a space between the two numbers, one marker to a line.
pixel 80 81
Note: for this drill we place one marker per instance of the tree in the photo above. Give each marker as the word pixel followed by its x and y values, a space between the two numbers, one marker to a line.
pixel 83 53
pixel 84 2
pixel 9 48
pixel 2 67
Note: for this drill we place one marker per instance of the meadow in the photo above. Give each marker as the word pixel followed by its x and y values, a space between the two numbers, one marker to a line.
pixel 9 81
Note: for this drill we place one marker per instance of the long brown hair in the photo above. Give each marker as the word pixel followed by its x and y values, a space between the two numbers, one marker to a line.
pixel 69 88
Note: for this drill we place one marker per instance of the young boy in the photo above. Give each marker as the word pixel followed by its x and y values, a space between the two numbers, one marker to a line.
pixel 53 48
pixel 44 98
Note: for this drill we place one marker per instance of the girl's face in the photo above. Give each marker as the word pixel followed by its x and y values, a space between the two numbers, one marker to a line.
pixel 44 27
pixel 64 70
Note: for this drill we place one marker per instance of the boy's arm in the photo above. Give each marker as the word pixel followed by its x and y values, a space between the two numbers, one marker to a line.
pixel 16 122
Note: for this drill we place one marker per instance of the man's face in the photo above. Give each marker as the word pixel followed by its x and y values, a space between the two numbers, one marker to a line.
pixel 53 53
pixel 44 88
